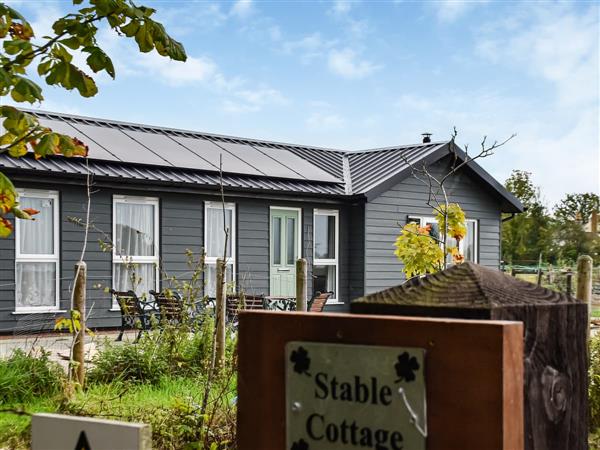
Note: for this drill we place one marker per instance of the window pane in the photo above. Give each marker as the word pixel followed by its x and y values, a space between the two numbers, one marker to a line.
pixel 324 279
pixel 134 229
pixel 210 279
pixel 324 237
pixel 435 229
pixel 469 242
pixel 36 284
pixel 416 220
pixel 215 234
pixel 291 241
pixel 139 277
pixel 37 236
pixel 276 230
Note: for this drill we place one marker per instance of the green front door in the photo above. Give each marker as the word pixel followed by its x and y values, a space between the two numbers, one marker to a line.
pixel 285 232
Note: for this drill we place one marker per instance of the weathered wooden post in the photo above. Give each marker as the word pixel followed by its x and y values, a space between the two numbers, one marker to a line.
pixel 301 284
pixel 221 313
pixel 78 370
pixel 569 282
pixel 555 340
pixel 584 284
pixel 540 273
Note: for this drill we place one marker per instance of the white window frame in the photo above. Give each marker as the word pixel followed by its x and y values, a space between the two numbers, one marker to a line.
pixel 231 259
pixel 55 257
pixel 461 245
pixel 118 259
pixel 330 261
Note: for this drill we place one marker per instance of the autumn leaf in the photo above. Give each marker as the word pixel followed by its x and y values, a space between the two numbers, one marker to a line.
pixel 7 194
pixel 6 227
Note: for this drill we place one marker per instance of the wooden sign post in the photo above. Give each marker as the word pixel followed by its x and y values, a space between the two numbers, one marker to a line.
pixel 339 381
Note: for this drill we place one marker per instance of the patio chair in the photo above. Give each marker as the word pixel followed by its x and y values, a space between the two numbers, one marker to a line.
pixel 237 302
pixel 318 302
pixel 135 313
pixel 169 305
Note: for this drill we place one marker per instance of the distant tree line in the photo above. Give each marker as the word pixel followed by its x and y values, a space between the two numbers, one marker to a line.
pixel 556 236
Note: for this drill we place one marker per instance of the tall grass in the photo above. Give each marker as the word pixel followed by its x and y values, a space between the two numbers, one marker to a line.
pixel 27 376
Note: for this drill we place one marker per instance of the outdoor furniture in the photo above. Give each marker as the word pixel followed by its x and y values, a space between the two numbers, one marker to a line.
pixel 135 313
pixel 169 305
pixel 318 302
pixel 237 302
pixel 279 303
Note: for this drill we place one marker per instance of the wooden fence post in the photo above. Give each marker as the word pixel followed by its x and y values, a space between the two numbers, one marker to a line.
pixel 221 314
pixel 569 282
pixel 584 284
pixel 301 284
pixel 78 370
pixel 539 277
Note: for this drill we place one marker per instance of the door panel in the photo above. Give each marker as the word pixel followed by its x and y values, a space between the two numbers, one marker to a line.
pixel 284 246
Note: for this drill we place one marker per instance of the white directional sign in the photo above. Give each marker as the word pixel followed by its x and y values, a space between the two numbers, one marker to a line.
pixel 61 432
pixel 355 396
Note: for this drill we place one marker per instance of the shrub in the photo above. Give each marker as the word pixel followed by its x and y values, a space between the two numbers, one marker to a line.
pixel 26 376
pixel 172 350
pixel 594 385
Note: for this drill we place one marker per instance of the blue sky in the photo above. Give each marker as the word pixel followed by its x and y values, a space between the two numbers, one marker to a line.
pixel 365 74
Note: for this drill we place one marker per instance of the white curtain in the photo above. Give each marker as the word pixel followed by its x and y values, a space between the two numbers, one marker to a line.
pixel 134 229
pixel 215 236
pixel 210 279
pixel 37 236
pixel 139 277
pixel 36 284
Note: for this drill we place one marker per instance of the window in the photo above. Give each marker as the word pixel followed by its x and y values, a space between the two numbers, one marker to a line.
pixel 36 254
pixel 135 239
pixel 467 247
pixel 214 243
pixel 326 248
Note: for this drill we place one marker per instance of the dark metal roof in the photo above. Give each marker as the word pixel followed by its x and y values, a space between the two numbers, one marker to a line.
pixel 130 151
pixel 131 173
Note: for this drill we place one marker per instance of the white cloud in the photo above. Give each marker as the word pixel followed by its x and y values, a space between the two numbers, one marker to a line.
pixel 176 73
pixel 560 46
pixel 341 7
pixel 324 121
pixel 242 8
pixel 451 10
pixel 309 47
pixel 347 63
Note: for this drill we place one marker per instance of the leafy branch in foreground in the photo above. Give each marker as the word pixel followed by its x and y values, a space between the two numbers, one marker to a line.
pixel 52 59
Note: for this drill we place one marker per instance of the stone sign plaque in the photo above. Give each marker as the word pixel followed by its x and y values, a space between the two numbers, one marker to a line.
pixel 355 396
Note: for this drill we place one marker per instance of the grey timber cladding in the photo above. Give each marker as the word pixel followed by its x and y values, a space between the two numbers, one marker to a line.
pixel 385 215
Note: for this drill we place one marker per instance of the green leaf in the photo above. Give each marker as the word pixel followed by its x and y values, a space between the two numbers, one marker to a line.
pixel 47 145
pixel 44 67
pixel 72 42
pixel 131 28
pixel 98 60
pixel 26 91
pixel 15 46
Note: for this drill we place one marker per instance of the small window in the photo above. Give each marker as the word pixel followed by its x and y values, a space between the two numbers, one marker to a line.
pixel 467 247
pixel 326 248
pixel 135 244
pixel 214 243
pixel 37 254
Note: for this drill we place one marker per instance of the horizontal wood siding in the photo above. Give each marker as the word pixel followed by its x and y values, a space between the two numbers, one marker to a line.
pixel 384 214
pixel 253 247
pixel 181 227
pixel 7 283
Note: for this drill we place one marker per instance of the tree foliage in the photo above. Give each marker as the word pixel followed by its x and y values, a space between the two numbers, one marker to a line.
pixel 418 251
pixel 577 207
pixel 51 58
pixel 423 253
pixel 527 235
pixel 557 239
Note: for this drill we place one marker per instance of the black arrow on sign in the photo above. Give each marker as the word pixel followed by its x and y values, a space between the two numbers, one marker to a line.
pixel 82 442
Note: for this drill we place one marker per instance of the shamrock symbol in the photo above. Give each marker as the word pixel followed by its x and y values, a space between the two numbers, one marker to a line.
pixel 405 367
pixel 300 445
pixel 301 360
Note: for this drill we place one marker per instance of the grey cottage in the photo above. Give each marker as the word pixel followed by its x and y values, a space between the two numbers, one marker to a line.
pixel 156 193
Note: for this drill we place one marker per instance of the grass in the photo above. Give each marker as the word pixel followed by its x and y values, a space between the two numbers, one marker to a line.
pixel 171 406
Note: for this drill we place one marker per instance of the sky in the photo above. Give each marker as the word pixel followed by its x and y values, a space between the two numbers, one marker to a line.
pixel 367 74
